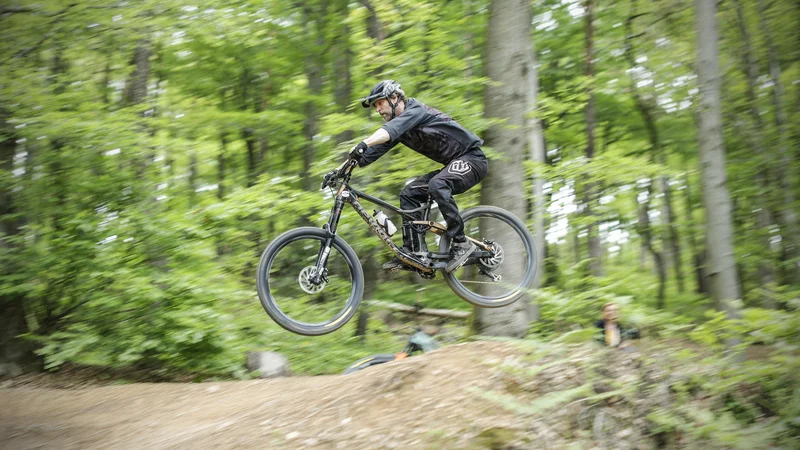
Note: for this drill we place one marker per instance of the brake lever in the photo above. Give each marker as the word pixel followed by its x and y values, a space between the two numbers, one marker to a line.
pixel 328 179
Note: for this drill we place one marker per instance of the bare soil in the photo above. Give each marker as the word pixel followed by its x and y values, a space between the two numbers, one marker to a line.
pixel 426 401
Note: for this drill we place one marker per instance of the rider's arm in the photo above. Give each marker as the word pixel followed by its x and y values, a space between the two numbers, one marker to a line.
pixel 374 152
pixel 389 134
pixel 378 137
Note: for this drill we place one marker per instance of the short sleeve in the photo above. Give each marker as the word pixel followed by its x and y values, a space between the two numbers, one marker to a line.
pixel 411 117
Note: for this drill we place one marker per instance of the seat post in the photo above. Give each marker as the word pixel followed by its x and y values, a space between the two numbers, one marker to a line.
pixel 418 239
pixel 427 212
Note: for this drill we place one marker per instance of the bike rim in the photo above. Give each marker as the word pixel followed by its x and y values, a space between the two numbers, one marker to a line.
pixel 513 261
pixel 288 281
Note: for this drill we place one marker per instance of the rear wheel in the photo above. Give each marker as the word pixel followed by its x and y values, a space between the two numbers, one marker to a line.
pixel 500 278
pixel 289 292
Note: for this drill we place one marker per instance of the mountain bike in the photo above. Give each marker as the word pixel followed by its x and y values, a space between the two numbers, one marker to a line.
pixel 310 281
pixel 418 342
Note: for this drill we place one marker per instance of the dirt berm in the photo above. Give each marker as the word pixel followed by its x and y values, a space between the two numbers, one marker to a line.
pixel 421 402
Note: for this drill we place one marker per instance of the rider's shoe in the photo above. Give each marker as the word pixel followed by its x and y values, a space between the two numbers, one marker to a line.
pixel 459 253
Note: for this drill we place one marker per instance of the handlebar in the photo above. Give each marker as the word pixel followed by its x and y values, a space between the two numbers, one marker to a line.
pixel 343 171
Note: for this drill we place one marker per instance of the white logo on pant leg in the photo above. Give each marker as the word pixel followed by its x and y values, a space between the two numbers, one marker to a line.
pixel 459 167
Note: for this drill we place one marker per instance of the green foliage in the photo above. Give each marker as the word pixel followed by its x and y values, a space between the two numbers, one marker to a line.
pixel 131 230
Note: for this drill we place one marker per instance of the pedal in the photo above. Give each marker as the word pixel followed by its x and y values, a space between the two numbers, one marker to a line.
pixel 495 277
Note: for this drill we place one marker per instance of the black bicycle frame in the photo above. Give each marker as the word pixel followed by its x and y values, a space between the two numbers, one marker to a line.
pixel 427 263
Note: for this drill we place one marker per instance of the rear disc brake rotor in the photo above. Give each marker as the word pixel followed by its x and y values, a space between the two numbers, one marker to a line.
pixel 494 261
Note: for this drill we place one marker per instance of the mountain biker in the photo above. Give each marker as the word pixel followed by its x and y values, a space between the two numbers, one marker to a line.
pixel 436 135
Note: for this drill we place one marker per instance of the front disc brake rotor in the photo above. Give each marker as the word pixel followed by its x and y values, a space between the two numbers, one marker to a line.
pixel 305 280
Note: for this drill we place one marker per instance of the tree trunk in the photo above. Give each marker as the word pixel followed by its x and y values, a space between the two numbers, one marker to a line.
pixel 104 87
pixel 468 37
pixel 343 81
pixel 698 261
pixel 672 233
pixel 12 306
pixel 591 188
pixel 192 179
pixel 136 86
pixel 648 110
pixel 374 26
pixel 221 156
pixel 790 232
pixel 538 155
pixel 645 232
pixel 508 61
pixel 721 267
pixel 252 156
pixel 766 270
pixel 314 31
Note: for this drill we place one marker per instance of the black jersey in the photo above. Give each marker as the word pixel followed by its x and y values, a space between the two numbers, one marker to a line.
pixel 427 131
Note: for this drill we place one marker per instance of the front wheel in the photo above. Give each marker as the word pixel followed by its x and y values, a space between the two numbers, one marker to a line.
pixel 291 293
pixel 500 279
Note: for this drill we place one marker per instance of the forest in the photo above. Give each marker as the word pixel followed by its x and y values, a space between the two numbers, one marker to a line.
pixel 151 150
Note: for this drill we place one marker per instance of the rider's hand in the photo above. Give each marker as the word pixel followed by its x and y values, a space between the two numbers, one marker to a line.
pixel 358 150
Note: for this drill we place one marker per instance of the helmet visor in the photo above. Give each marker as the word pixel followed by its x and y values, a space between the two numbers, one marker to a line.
pixel 369 101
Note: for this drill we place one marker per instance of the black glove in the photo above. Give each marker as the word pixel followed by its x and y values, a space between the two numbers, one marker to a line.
pixel 357 151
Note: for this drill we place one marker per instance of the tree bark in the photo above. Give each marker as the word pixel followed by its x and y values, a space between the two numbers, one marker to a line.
pixel 508 60
pixel 719 229
pixel 343 80
pixel 591 187
pixel 136 86
pixel 314 31
pixel 375 28
pixel 192 179
pixel 12 306
pixel 790 232
pixel 252 156
pixel 221 156
pixel 766 270
pixel 698 259
pixel 648 110
pixel 645 232
pixel 672 238
pixel 468 37
pixel 538 155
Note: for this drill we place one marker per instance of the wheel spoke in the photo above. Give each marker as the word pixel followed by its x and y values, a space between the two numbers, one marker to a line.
pixel 512 256
pixel 293 290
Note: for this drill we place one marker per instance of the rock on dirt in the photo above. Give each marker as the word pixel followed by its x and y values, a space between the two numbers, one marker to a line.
pixel 268 364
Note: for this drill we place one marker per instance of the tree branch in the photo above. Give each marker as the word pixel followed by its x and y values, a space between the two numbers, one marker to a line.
pixel 15 9
pixel 25 52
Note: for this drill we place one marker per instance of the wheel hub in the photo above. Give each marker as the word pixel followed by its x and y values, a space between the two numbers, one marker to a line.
pixel 306 283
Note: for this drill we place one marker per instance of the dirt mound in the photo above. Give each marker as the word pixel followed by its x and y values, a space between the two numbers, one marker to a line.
pixel 420 402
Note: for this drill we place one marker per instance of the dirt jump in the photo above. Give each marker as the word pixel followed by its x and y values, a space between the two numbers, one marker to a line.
pixel 427 401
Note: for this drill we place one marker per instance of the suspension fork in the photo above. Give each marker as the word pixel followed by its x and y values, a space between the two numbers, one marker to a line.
pixel 330 229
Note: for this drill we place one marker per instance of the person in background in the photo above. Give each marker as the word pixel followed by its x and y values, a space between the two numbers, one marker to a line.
pixel 612 333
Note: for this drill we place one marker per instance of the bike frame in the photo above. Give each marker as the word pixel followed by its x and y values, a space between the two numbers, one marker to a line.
pixel 424 261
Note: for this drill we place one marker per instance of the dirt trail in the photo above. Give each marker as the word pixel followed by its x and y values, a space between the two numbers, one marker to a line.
pixel 420 402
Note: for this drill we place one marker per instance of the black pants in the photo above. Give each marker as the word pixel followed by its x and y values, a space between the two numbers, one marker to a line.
pixel 458 176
